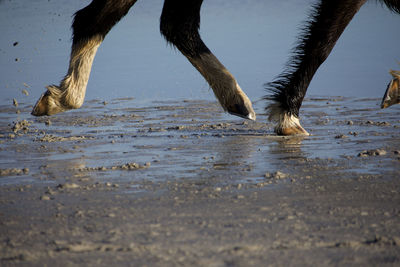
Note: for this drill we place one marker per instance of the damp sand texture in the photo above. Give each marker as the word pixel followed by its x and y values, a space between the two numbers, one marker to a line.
pixel 181 183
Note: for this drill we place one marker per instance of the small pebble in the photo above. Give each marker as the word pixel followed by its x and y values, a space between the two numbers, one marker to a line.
pixel 44 197
pixel 276 175
pixel 373 152
pixel 383 123
pixel 68 186
pixel 280 175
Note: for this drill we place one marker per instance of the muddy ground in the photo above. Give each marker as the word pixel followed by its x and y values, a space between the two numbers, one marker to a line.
pixel 182 184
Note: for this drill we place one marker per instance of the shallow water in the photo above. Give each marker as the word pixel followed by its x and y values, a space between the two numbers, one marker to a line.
pixel 193 139
pixel 160 110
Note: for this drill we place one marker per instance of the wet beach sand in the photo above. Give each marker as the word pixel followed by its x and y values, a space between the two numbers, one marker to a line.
pixel 180 183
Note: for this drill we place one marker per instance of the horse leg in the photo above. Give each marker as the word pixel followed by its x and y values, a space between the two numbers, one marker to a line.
pixel 392 94
pixel 328 21
pixel 179 24
pixel 90 26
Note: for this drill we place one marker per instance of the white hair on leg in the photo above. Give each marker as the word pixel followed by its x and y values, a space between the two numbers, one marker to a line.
pixel 71 92
pixel 286 124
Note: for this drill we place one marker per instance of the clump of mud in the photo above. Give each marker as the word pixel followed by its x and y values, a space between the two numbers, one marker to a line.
pixel 13 171
pixel 21 126
pixel 52 138
pixel 276 175
pixel 127 166
pixel 372 152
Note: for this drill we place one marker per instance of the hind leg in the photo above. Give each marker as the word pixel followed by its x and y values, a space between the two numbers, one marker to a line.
pixel 327 23
pixel 90 26
pixel 180 22
pixel 392 94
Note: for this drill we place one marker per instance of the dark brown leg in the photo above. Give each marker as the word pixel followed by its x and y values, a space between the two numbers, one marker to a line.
pixel 180 22
pixel 325 26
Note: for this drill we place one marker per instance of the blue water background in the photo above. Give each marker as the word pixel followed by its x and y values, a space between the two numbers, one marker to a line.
pixel 252 38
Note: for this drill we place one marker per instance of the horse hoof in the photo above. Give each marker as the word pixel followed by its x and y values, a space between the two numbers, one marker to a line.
pixel 41 106
pixel 392 94
pixel 244 110
pixel 48 103
pixel 290 126
pixel 295 130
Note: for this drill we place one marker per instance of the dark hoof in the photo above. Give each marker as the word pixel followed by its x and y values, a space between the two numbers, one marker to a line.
pixel 244 110
pixel 243 113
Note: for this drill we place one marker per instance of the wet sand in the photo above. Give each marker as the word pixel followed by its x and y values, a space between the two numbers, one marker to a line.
pixel 179 183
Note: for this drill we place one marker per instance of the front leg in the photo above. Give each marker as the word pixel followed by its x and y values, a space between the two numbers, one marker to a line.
pixel 327 23
pixel 224 85
pixel 180 22
pixel 90 26
pixel 70 94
